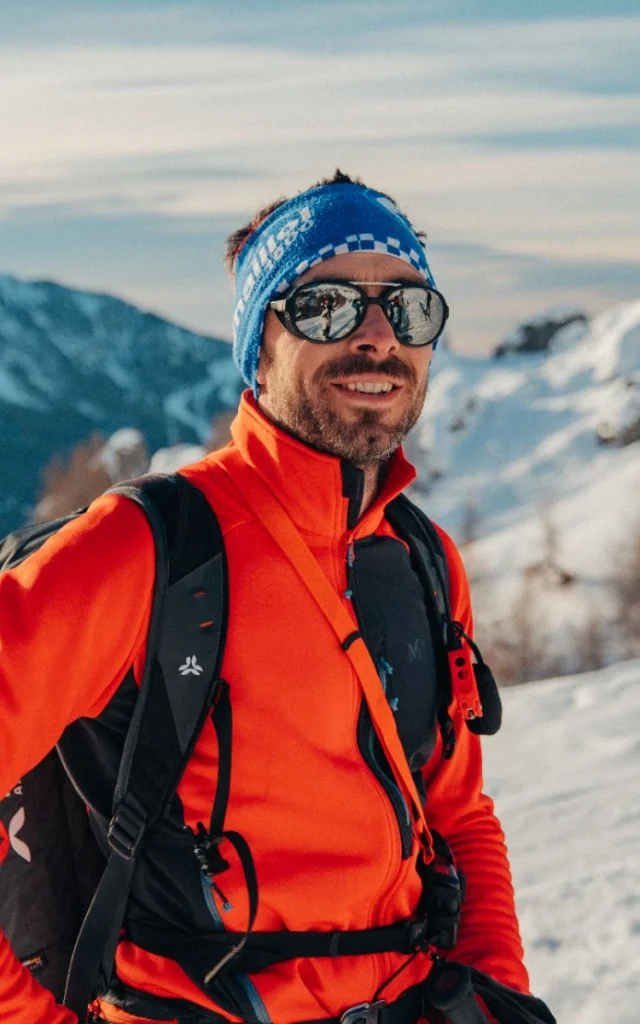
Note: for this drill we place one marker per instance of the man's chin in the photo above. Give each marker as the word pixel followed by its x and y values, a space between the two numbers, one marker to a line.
pixel 363 443
pixel 349 430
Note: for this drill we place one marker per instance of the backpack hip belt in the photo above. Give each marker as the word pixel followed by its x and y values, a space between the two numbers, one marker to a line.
pixel 435 924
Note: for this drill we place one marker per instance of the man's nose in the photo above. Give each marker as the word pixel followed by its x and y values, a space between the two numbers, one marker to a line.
pixel 374 334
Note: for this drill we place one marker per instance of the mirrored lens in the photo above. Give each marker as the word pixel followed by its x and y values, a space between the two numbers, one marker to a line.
pixel 416 314
pixel 326 312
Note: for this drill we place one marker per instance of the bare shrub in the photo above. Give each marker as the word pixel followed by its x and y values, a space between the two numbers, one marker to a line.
pixel 626 585
pixel 550 564
pixel 72 483
pixel 590 643
pixel 515 646
pixel 468 533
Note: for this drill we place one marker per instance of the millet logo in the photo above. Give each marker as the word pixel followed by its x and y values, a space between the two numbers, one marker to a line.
pixel 416 649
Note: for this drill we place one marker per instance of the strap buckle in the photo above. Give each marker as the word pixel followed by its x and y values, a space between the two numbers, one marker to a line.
pixel 127 827
pixel 417 935
pixel 363 1013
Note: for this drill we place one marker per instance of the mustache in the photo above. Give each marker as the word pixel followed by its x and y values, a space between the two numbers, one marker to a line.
pixel 359 363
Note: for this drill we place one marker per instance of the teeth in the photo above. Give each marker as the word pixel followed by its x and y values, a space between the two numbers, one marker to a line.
pixel 369 388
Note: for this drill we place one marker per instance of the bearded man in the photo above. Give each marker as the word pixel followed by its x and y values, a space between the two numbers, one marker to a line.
pixel 349 776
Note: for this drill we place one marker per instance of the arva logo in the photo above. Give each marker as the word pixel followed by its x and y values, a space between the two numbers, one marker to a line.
pixel 9 837
pixel 191 667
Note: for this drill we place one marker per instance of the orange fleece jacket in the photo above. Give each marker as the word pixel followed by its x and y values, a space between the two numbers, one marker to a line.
pixel 73 618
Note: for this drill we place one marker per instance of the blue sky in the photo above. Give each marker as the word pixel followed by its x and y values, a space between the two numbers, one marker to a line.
pixel 136 136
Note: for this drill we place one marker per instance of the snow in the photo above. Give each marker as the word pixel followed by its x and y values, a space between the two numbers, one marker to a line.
pixel 540 451
pixel 564 774
pixel 75 364
pixel 124 455
pixel 169 460
pixel 125 445
pixel 10 391
pixel 524 417
pixel 181 409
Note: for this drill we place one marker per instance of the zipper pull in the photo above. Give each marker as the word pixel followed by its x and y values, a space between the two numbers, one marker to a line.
pixel 203 848
pixel 385 671
pixel 351 557
pixel 226 904
pixel 207 850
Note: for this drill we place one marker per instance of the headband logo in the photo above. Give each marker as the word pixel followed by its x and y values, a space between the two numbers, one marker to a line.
pixel 271 252
pixel 388 204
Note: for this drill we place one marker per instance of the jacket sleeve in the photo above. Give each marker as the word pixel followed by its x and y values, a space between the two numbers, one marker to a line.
pixel 488 937
pixel 73 619
pixel 22 1000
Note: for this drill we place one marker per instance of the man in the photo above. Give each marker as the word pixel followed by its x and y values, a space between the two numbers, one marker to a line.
pixel 318 790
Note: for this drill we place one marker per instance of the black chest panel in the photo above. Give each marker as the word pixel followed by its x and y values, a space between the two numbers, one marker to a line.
pixel 389 602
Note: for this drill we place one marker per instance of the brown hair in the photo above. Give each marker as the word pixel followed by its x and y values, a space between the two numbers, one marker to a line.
pixel 236 240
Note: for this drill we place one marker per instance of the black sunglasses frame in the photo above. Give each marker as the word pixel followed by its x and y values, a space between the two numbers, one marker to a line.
pixel 284 314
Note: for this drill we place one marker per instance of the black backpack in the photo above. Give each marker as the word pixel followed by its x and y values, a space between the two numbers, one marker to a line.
pixel 62 894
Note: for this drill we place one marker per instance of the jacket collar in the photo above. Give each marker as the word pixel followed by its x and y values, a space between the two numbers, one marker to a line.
pixel 314 487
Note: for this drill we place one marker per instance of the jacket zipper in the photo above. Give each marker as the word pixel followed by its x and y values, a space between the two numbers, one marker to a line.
pixel 396 798
pixel 243 980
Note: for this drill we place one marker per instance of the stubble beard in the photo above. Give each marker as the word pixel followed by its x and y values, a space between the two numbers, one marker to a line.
pixel 365 441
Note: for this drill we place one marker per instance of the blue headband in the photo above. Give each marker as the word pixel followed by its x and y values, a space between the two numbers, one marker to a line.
pixel 304 231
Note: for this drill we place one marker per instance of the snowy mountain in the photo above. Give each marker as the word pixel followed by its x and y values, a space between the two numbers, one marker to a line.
pixel 73 362
pixel 530 458
pixel 508 433
pixel 533 459
pixel 562 771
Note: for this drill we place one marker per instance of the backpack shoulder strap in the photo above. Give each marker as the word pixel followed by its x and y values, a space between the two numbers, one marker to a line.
pixel 429 561
pixel 185 646
pixel 472 683
pixel 414 527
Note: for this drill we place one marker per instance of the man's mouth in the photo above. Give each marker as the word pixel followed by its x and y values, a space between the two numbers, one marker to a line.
pixel 368 387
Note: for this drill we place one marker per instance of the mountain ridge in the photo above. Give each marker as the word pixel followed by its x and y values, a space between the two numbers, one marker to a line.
pixel 74 362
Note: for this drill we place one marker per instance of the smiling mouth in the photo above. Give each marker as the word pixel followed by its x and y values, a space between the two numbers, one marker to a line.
pixel 368 387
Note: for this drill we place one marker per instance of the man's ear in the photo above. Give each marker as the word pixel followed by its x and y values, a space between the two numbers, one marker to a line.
pixel 264 362
pixel 261 375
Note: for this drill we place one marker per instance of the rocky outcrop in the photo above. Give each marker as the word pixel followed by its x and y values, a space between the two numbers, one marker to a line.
pixel 537 335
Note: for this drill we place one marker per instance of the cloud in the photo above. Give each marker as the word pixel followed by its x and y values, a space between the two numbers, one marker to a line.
pixel 520 138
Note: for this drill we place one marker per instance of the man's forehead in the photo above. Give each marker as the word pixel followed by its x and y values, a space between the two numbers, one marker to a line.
pixel 362 266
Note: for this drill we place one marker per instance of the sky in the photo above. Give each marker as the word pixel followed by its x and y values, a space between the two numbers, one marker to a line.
pixel 136 136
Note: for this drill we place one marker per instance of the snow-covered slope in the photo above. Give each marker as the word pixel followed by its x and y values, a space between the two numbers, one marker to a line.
pixel 73 362
pixel 564 773
pixel 507 434
pixel 536 458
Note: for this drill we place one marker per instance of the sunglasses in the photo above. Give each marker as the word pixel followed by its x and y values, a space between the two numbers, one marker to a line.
pixel 328 311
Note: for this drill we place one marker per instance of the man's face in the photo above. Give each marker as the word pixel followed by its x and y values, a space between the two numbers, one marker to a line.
pixel 304 386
